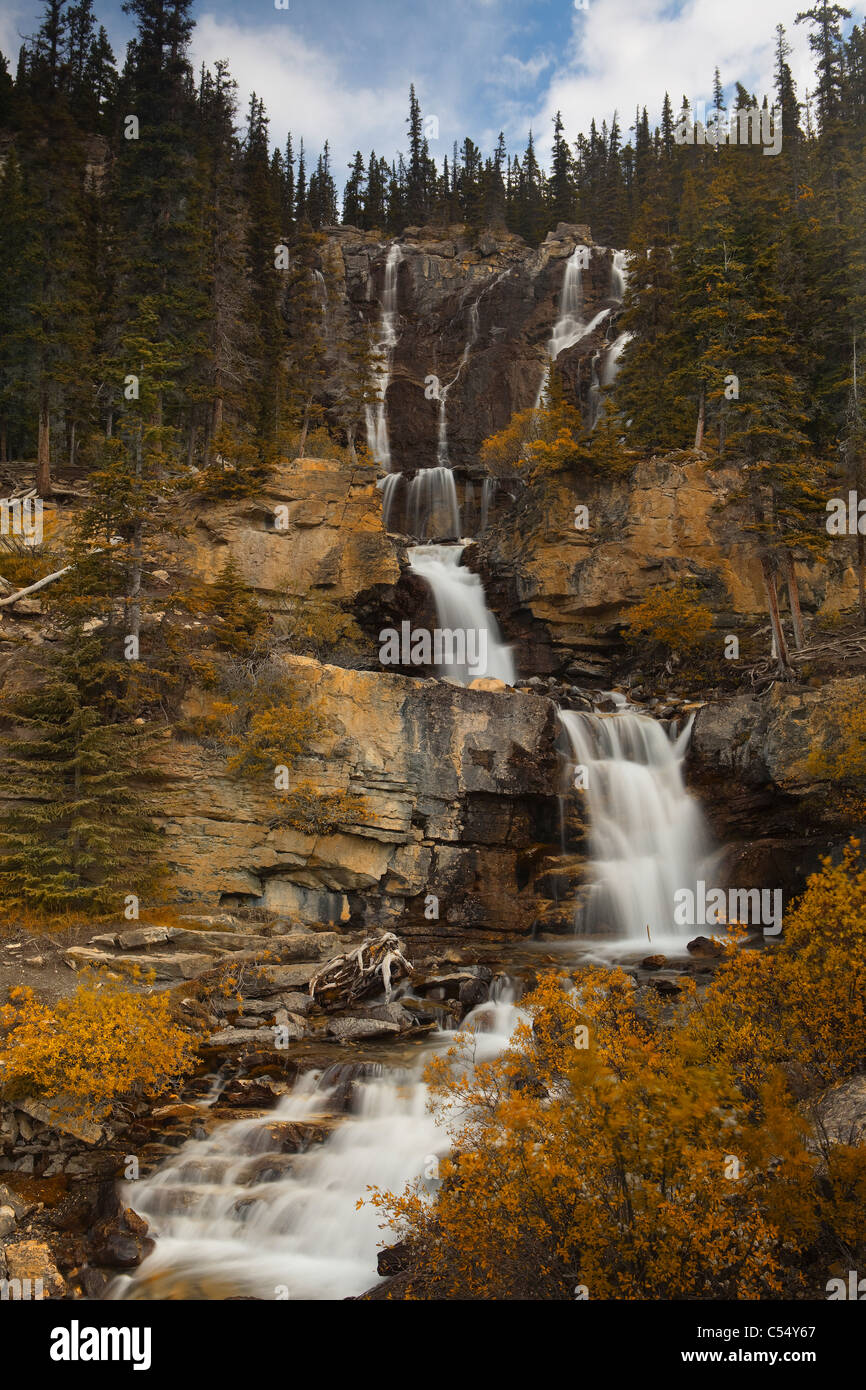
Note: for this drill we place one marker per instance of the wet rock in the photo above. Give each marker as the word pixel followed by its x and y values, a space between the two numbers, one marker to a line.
pixel 394 1259
pixel 704 948
pixel 249 1094
pixel 654 962
pixel 7 1222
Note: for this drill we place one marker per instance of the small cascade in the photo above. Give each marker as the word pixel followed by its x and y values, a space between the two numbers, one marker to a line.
pixel 390 485
pixel 488 495
pixel 461 607
pixel 647 837
pixel 569 327
pixel 433 506
pixel 594 390
pixel 619 275
pixel 376 412
pixel 234 1216
pixel 610 367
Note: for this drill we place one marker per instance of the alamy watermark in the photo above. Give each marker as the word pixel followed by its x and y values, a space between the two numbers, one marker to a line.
pixel 444 646
pixel 22 517
pixel 715 907
pixel 746 125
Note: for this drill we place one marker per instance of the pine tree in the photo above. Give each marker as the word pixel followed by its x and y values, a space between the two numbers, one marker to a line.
pixel 77 834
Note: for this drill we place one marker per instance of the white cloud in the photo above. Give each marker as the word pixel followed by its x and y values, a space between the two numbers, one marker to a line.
pixel 304 90
pixel 626 53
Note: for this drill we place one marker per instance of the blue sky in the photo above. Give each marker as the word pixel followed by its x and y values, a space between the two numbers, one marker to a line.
pixel 340 69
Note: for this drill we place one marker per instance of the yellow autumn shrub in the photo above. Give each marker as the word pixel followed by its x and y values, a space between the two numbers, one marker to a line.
pixel 627 1168
pixel 669 620
pixel 802 1003
pixel 99 1045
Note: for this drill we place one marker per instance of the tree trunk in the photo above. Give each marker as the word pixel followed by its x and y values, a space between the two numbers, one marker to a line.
pixel 43 449
pixel 794 601
pixel 699 432
pixel 780 645
pixel 3 455
pixel 861 576
pixel 72 445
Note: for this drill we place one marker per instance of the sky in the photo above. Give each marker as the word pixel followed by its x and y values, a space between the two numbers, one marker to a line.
pixel 340 69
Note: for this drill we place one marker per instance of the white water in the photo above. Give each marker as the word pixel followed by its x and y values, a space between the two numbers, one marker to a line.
pixel 611 360
pixel 298 1232
pixel 647 833
pixel 378 441
pixel 619 275
pixel 488 494
pixel 389 486
pixel 461 606
pixel 433 506
pixel 569 327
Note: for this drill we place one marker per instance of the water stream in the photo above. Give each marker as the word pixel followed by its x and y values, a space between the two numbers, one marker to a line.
pixel 234 1216
pixel 647 836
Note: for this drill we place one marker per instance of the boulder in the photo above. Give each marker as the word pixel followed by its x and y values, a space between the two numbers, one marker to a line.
pixel 357 1029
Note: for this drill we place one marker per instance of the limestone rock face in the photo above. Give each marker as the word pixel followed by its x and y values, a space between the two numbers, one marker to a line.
pixel 316 528
pixel 565 590
pixel 455 287
pixel 752 765
pixel 457 785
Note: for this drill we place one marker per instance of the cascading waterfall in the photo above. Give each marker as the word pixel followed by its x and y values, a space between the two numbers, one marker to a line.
pixel 488 494
pixel 619 275
pixel 647 833
pixel 610 367
pixel 461 607
pixel 389 485
pixel 376 412
pixel 433 506
pixel 569 327
pixel 234 1216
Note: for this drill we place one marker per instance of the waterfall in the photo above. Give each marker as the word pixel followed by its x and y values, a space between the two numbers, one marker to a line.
pixel 647 833
pixel 389 485
pixel 488 493
pixel 383 355
pixel 461 607
pixel 232 1215
pixel 611 358
pixel 619 275
pixel 594 390
pixel 569 327
pixel 433 506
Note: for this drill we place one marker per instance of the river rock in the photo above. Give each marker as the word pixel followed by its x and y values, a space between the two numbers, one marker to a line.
pixel 355 1029
pixel 33 1259
pixel 704 948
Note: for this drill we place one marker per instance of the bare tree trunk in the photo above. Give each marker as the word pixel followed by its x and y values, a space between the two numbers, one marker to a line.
pixel 699 432
pixel 780 645
pixel 794 600
pixel 3 454
pixel 861 576
pixel 72 445
pixel 43 449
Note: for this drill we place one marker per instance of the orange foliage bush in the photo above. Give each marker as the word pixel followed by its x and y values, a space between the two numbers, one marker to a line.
pixel 802 1004
pixel 97 1046
pixel 615 1151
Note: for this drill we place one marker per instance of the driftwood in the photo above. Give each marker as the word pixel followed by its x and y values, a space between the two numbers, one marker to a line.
pixel 363 971
pixel 50 578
